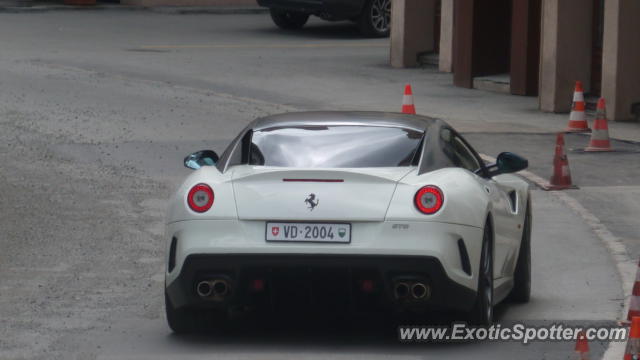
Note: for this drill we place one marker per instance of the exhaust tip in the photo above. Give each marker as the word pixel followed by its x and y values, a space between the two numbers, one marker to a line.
pixel 401 290
pixel 204 289
pixel 220 288
pixel 419 291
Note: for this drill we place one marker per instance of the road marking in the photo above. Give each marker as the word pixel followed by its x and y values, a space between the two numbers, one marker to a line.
pixel 270 46
pixel 626 266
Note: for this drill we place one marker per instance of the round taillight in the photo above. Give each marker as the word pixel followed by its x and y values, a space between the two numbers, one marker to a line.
pixel 200 198
pixel 429 199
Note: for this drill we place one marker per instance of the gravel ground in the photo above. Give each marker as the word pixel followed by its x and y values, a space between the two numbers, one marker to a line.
pixel 79 242
pixel 83 190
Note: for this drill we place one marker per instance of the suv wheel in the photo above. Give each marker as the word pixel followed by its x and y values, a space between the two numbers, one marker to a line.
pixel 289 20
pixel 375 20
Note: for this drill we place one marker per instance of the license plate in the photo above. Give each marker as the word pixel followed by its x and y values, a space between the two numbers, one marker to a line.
pixel 308 232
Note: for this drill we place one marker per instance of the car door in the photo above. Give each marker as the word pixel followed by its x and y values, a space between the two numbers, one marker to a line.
pixel 463 155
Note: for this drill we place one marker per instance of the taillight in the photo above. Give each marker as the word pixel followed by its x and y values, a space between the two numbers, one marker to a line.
pixel 429 199
pixel 200 198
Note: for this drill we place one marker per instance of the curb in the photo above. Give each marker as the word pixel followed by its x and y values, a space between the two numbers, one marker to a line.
pixel 175 10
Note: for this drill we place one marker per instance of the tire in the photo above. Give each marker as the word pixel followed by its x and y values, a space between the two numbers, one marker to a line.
pixel 521 291
pixel 482 313
pixel 181 321
pixel 288 20
pixel 375 20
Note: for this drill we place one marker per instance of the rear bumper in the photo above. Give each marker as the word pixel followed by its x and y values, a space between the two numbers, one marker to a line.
pixel 338 9
pixel 434 240
pixel 308 281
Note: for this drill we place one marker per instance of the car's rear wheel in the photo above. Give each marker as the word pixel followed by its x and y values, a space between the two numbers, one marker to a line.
pixel 375 20
pixel 289 20
pixel 482 313
pixel 181 321
pixel 521 291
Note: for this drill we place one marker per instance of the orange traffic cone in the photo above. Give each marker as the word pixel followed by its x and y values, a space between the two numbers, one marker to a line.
pixel 577 118
pixel 561 178
pixel 600 135
pixel 407 101
pixel 633 344
pixel 582 346
pixel 634 303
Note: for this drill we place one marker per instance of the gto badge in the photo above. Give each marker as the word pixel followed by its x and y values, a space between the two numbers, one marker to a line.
pixel 312 201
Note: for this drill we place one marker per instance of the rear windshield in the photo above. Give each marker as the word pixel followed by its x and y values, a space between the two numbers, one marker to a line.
pixel 335 147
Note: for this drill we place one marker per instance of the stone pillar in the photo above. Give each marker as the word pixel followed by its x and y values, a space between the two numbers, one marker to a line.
pixel 446 36
pixel 621 58
pixel 412 23
pixel 565 54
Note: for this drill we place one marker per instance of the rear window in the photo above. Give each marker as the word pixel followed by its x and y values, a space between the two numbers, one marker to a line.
pixel 335 147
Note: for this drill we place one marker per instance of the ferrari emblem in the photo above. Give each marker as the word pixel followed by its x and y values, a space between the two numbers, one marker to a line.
pixel 275 230
pixel 312 201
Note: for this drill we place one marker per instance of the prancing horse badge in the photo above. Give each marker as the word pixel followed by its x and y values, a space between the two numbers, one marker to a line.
pixel 312 201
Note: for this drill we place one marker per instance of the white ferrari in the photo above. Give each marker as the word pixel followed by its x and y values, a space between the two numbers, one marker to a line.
pixel 348 211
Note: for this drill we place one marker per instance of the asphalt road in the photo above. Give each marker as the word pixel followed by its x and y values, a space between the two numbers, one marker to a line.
pixel 97 110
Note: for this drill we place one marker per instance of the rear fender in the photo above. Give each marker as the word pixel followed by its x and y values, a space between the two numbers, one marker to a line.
pixel 224 206
pixel 466 201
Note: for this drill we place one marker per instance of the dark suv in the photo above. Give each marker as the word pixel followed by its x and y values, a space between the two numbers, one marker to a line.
pixel 372 16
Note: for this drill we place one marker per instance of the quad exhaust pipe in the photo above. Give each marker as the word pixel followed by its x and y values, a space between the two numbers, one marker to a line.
pixel 414 290
pixel 401 290
pixel 215 289
pixel 419 291
pixel 204 289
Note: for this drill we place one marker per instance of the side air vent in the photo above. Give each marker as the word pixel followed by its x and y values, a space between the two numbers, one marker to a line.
pixel 464 257
pixel 172 254
pixel 513 200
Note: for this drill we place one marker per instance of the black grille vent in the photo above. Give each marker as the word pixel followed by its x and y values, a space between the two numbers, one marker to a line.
pixel 172 254
pixel 464 257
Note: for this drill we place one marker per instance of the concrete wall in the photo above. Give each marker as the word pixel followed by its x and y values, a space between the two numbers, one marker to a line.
pixel 446 36
pixel 190 2
pixel 565 54
pixel 412 23
pixel 621 58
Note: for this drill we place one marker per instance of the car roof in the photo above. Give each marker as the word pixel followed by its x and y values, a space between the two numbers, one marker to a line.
pixel 344 118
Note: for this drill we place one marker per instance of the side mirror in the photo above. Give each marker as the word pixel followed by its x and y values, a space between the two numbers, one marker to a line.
pixel 507 163
pixel 201 158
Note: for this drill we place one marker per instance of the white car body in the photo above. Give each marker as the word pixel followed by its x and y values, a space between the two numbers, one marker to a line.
pixel 378 203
